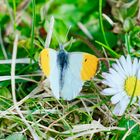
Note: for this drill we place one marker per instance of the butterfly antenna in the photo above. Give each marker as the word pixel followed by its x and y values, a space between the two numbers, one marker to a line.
pixel 60 44
pixel 67 33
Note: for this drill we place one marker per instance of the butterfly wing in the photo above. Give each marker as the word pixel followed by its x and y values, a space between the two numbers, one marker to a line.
pixel 48 62
pixel 81 67
pixel 72 81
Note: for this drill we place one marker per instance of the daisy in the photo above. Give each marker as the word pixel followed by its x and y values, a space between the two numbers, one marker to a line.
pixel 123 81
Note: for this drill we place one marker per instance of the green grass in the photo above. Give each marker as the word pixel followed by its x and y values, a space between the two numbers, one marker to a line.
pixel 33 28
pixel 28 108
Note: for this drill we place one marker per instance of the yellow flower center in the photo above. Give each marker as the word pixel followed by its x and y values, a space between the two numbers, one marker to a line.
pixel 132 86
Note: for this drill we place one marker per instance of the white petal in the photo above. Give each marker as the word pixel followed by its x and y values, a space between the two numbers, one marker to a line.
pixel 115 82
pixel 139 100
pixel 106 82
pixel 138 75
pixel 119 69
pixel 113 79
pixel 121 106
pixel 135 66
pixel 116 98
pixel 129 64
pixel 104 74
pixel 109 91
pixel 124 64
pixel 110 84
pixel 117 109
pixel 116 74
pixel 139 64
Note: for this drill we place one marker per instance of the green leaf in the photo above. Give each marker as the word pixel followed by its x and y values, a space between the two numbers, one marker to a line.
pixel 128 24
pixel 125 10
pixel 134 133
pixel 5 92
pixel 132 10
pixel 135 36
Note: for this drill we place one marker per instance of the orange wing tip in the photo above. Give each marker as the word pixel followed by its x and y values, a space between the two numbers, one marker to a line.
pixel 89 66
pixel 45 61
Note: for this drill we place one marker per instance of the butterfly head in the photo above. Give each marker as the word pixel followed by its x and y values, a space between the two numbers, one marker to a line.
pixel 61 47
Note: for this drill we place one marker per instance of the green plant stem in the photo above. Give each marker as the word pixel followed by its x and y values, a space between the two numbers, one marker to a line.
pixel 108 48
pixel 101 22
pixel 131 99
pixel 14 7
pixel 33 26
pixel 127 43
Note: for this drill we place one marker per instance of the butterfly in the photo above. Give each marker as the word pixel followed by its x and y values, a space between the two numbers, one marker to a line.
pixel 66 71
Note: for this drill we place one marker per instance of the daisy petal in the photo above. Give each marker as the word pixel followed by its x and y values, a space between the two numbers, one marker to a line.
pixel 135 66
pixel 138 75
pixel 124 64
pixel 119 69
pixel 116 98
pixel 109 91
pixel 121 106
pixel 129 64
pixel 112 84
pixel 104 74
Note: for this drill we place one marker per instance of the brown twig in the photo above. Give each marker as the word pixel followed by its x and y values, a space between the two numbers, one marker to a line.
pixel 23 5
pixel 88 43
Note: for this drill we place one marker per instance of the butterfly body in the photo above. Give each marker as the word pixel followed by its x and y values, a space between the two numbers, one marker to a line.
pixel 62 60
pixel 67 72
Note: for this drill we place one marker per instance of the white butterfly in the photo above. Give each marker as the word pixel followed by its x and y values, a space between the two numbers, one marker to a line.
pixel 67 72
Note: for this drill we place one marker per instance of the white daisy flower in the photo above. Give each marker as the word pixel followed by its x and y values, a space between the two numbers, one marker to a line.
pixel 123 80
